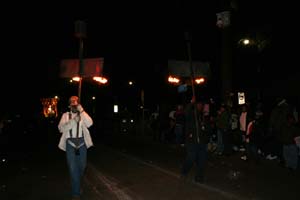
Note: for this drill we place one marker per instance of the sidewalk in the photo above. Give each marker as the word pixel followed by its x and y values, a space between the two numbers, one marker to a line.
pixel 228 174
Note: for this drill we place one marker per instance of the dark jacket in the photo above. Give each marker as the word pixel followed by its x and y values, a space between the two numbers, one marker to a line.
pixel 191 134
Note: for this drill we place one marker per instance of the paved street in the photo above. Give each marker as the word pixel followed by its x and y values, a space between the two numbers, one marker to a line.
pixel 127 167
pixel 111 174
pixel 226 175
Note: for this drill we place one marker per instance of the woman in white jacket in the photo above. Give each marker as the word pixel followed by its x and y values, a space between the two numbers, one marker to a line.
pixel 75 140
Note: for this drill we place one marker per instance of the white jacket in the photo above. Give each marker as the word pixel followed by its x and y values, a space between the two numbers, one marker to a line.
pixel 66 124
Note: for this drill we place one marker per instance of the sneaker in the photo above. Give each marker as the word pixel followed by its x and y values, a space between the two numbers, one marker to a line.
pixel 273 157
pixel 235 148
pixel 244 157
pixel 242 149
pixel 259 151
pixel 270 157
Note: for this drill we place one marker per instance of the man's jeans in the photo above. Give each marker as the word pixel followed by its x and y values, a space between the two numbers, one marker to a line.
pixel 76 164
pixel 195 153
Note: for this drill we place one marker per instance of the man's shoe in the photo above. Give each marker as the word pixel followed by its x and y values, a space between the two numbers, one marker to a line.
pixel 244 158
pixel 271 157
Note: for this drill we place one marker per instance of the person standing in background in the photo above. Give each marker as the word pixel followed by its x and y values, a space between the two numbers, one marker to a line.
pixel 196 140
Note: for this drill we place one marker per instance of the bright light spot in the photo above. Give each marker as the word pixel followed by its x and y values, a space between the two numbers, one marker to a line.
pixel 130 83
pixel 131 120
pixel 199 80
pixel 241 98
pixel 246 41
pixel 100 79
pixel 76 78
pixel 3 160
pixel 173 79
pixel 93 97
pixel 116 109
pixel 50 106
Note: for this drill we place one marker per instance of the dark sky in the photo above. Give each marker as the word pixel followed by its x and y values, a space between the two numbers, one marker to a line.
pixel 132 36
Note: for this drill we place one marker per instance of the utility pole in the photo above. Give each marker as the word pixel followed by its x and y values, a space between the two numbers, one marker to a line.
pixel 224 24
pixel 80 33
pixel 189 49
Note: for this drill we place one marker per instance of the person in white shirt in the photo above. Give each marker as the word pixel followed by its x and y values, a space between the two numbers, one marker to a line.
pixel 75 140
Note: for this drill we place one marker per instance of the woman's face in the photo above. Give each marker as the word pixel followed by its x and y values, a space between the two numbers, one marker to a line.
pixel 74 103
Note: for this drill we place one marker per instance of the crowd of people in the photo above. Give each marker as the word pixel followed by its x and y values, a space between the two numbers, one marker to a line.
pixel 250 129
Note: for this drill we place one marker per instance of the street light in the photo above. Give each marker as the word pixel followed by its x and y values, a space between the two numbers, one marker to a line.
pixel 246 41
pixel 260 44
pixel 177 80
pixel 173 80
pixel 100 79
pixel 199 80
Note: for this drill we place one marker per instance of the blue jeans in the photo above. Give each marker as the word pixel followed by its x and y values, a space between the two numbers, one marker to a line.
pixel 76 164
pixel 290 155
pixel 195 153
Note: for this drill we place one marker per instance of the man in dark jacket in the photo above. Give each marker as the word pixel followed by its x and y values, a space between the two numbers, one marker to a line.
pixel 197 138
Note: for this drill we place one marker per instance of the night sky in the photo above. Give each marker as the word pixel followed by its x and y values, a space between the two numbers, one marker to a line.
pixel 133 37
